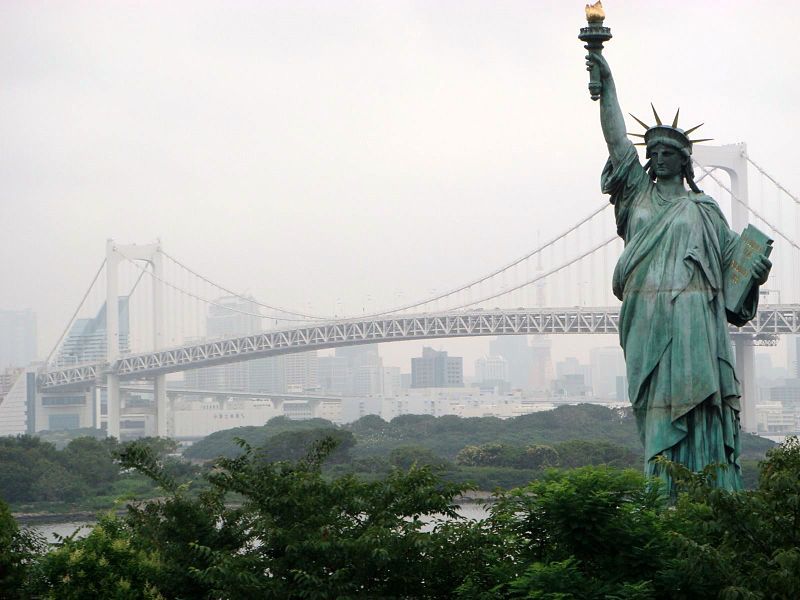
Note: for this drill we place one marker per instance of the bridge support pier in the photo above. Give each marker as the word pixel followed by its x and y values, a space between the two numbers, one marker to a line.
pixel 746 370
pixel 112 405
pixel 160 400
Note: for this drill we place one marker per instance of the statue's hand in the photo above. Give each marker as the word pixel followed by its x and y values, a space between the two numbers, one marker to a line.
pixel 761 269
pixel 593 59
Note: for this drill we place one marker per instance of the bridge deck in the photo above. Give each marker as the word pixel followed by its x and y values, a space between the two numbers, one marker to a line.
pixel 770 321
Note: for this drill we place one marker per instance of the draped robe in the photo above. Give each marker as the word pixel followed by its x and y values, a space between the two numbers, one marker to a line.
pixel 673 322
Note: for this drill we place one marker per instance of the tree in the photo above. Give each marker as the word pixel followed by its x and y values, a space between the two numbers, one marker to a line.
pixel 92 461
pixel 369 425
pixel 406 457
pixel 104 564
pixel 587 533
pixel 293 445
pixel 540 456
pixel 18 549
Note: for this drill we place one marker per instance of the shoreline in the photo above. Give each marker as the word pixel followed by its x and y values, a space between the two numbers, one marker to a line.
pixel 43 517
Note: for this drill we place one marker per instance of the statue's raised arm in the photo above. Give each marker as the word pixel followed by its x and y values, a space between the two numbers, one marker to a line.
pixel 611 119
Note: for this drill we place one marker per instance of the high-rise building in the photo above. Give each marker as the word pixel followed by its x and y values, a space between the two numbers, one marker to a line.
pixel 436 369
pixel 573 378
pixel 227 317
pixel 231 317
pixel 333 374
pixel 17 338
pixel 365 369
pixel 491 369
pixel 540 372
pixel 17 402
pixel 267 375
pixel 606 364
pixel 491 374
pixel 530 366
pixel 514 349
pixel 302 371
pixel 86 340
pixel 353 371
pixel 796 370
pixel 392 385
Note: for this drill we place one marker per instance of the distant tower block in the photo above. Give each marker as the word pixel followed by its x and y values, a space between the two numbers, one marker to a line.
pixel 541 365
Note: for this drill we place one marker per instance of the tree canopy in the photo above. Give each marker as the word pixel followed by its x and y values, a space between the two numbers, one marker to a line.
pixel 588 533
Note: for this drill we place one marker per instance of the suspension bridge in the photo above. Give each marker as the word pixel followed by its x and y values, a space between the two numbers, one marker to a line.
pixel 560 287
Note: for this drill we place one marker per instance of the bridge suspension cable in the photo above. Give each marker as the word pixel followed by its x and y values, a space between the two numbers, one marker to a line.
pixel 496 272
pixel 773 180
pixel 748 207
pixel 234 294
pixel 75 314
pixel 206 300
pixel 541 276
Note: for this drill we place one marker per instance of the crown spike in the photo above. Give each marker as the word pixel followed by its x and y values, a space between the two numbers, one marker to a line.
pixel 639 121
pixel 675 120
pixel 655 114
pixel 688 131
pixel 640 144
pixel 702 140
pixel 641 135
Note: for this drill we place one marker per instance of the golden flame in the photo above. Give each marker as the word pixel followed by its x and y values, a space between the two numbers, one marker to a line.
pixel 594 12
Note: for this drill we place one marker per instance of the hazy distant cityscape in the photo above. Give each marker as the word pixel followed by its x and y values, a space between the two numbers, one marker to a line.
pixel 517 375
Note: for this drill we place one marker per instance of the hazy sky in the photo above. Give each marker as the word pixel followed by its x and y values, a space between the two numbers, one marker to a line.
pixel 306 152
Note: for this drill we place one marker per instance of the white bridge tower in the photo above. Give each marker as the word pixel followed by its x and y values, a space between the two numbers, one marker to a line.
pixel 151 254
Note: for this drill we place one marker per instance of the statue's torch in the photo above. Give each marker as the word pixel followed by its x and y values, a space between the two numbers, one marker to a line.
pixel 594 35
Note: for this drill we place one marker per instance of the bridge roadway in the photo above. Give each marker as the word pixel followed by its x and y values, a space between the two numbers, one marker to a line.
pixel 772 320
pixel 177 391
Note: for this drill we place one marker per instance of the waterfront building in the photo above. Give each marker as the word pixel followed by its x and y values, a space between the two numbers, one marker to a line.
pixel 606 364
pixel 86 340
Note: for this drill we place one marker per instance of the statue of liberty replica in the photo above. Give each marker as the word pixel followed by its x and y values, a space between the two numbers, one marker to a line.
pixel 682 277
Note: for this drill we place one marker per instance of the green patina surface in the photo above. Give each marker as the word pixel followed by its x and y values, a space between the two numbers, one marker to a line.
pixel 673 322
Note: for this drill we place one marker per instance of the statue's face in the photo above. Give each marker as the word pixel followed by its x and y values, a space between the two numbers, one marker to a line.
pixel 666 160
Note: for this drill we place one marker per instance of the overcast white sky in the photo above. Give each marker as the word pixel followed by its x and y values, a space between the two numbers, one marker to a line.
pixel 309 151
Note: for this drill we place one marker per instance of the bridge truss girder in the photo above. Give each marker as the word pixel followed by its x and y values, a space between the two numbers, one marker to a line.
pixel 770 321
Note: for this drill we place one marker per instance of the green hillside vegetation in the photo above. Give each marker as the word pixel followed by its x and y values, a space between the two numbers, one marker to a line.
pixel 487 452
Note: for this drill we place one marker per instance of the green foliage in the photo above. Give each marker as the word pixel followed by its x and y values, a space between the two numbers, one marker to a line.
pixel 224 443
pixel 104 564
pixel 492 478
pixel 18 548
pixel 590 524
pixel 293 445
pixel 406 457
pixel 314 537
pixel 61 437
pixel 86 472
pixel 748 541
pixel 579 453
pixel 498 453
pixel 33 470
pixel 592 532
pixel 160 446
pixel 369 424
pixel 574 453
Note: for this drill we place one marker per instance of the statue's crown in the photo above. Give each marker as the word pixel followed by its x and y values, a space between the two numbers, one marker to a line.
pixel 671 135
